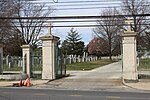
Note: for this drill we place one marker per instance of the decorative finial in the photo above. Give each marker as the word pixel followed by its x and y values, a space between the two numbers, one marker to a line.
pixel 49 29
pixel 129 22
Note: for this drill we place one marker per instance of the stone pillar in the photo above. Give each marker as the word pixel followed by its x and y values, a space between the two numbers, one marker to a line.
pixel 49 56
pixel 129 55
pixel 1 59
pixel 26 56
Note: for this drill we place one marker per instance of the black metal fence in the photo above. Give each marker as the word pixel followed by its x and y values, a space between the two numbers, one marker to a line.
pixel 61 65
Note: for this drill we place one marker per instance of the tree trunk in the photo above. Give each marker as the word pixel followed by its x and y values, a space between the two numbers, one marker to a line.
pixel 110 53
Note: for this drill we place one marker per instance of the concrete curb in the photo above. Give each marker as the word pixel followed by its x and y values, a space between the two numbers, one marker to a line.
pixel 138 85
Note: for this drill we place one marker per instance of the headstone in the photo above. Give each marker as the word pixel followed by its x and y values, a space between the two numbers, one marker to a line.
pixel 74 58
pixel 83 57
pixel 8 59
pixel 86 57
pixel 78 58
pixel 96 58
pixel 70 59
pixel 19 62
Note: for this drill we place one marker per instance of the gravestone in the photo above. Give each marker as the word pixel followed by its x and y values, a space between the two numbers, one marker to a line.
pixel 8 59
pixel 78 58
pixel 70 59
pixel 74 58
pixel 83 57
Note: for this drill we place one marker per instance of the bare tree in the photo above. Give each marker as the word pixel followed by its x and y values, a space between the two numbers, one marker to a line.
pixel 31 29
pixel 134 7
pixel 7 9
pixel 140 24
pixel 109 27
pixel 146 41
pixel 8 35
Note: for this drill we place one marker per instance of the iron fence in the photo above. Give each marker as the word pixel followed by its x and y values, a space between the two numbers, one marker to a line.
pixel 143 64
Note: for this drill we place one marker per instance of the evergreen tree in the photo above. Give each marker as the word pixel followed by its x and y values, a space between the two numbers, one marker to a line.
pixel 73 45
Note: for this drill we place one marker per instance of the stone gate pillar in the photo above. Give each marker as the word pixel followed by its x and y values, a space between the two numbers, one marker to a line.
pixel 26 56
pixel 129 55
pixel 1 58
pixel 49 55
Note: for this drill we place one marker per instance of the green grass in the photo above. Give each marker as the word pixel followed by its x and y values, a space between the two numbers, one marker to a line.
pixel 144 64
pixel 6 68
pixel 37 67
pixel 74 66
pixel 88 65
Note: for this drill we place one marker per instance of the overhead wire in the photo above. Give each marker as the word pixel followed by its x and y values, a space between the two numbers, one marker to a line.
pixel 83 1
pixel 77 17
pixel 73 25
pixel 76 6
pixel 91 4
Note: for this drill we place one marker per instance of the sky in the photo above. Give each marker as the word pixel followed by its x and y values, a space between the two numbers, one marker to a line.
pixel 88 8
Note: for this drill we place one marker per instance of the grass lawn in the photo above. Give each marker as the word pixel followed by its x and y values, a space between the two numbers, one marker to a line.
pixel 75 66
pixel 144 64
pixel 88 65
pixel 15 68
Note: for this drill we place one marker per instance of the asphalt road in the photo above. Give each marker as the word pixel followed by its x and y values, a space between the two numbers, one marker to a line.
pixel 47 94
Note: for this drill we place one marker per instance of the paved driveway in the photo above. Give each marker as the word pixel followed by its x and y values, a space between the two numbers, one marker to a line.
pixel 103 78
pixel 111 71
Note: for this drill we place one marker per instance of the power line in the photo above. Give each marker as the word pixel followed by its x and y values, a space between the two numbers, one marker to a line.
pixel 68 21
pixel 79 8
pixel 76 17
pixel 86 8
pixel 73 25
pixel 91 4
pixel 89 1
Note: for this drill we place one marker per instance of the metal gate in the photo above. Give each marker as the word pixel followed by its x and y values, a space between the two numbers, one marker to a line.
pixel 143 63
pixel 61 66
pixel 36 66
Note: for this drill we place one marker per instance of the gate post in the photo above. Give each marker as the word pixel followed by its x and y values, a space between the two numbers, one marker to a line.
pixel 129 55
pixel 49 55
pixel 26 56
pixel 1 58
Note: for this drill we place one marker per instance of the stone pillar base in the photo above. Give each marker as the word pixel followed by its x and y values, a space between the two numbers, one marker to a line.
pixel 130 77
pixel 129 56
pixel 47 76
pixel 49 56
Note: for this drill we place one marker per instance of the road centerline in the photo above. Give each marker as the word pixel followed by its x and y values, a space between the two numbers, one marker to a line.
pixel 113 97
